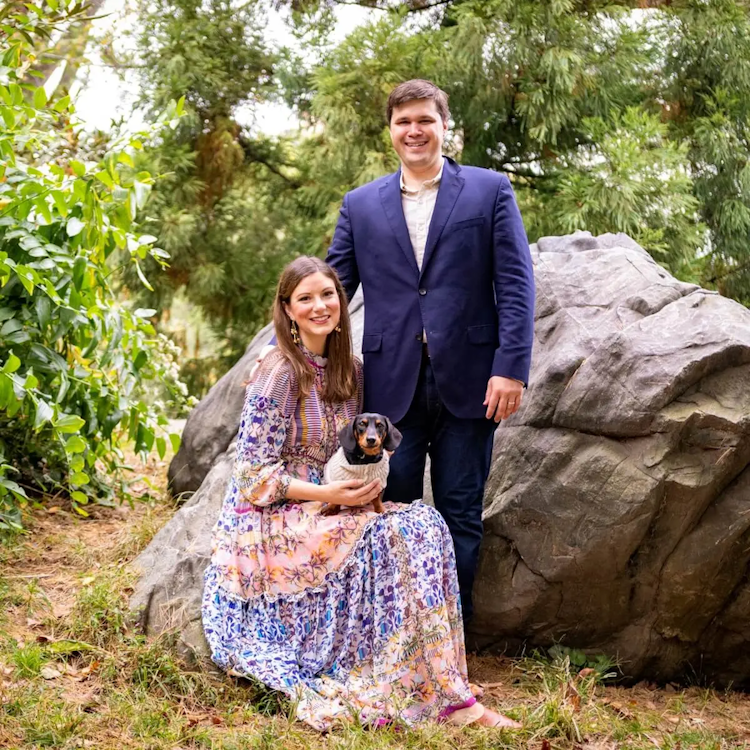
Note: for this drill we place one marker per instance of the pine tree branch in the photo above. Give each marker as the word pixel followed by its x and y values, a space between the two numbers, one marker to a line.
pixel 255 155
pixel 524 173
pixel 737 269
pixel 415 6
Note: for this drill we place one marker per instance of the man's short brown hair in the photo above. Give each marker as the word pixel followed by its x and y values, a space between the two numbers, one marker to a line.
pixel 418 88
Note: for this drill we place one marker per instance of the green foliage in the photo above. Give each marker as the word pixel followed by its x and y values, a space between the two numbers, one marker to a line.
pixel 707 75
pixel 29 660
pixel 606 116
pixel 559 97
pixel 629 177
pixel 100 614
pixel 74 360
pixel 223 209
pixel 567 659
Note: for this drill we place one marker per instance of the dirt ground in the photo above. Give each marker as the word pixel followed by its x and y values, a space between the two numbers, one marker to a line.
pixel 67 580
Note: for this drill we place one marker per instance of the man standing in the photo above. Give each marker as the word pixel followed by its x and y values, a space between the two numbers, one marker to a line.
pixel 444 263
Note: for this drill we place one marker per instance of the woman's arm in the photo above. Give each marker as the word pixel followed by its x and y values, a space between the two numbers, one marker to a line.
pixel 259 473
pixel 351 492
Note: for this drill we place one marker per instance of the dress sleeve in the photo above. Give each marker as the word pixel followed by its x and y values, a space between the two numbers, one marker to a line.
pixel 259 471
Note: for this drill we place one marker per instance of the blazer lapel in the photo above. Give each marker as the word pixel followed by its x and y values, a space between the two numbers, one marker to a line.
pixel 451 185
pixel 390 196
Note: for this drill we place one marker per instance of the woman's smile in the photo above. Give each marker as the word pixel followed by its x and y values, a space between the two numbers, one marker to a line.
pixel 315 308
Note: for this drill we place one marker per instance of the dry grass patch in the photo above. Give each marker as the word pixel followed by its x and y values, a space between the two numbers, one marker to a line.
pixel 75 674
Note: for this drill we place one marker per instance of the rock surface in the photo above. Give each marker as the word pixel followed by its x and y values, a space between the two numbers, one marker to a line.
pixel 617 512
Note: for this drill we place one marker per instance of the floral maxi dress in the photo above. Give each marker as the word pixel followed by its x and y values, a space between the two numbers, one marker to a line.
pixel 354 616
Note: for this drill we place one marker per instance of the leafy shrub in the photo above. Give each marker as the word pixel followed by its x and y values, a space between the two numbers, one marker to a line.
pixel 76 363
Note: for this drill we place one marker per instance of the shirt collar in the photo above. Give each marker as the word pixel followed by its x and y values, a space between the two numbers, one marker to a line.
pixel 426 184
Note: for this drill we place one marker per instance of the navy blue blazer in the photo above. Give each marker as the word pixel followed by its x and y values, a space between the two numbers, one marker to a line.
pixel 474 296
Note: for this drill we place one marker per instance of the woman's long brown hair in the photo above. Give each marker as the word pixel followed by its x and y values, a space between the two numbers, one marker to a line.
pixel 340 382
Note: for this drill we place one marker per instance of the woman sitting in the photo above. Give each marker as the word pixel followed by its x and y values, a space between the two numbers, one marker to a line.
pixel 355 616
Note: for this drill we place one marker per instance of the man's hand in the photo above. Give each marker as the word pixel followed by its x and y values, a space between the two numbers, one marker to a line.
pixel 503 397
pixel 267 349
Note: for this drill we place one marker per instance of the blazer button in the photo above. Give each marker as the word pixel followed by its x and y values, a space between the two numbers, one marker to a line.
pixel 422 292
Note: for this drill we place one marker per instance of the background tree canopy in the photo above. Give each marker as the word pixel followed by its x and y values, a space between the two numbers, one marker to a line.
pixel 607 116
pixel 78 364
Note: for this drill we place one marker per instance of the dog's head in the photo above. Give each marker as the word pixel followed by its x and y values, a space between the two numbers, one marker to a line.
pixel 371 434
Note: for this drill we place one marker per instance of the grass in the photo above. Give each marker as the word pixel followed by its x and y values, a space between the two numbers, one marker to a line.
pixel 75 674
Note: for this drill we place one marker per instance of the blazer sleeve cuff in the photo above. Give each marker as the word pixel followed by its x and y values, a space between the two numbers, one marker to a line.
pixel 513 365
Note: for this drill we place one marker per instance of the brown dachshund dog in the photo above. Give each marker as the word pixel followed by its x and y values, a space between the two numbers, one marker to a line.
pixel 364 454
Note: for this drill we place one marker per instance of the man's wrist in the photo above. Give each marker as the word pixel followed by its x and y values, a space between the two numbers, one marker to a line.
pixel 507 377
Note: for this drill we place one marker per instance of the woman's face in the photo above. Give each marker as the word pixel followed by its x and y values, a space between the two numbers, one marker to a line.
pixel 315 306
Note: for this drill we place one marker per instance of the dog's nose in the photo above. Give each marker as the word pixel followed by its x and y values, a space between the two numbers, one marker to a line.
pixel 370 441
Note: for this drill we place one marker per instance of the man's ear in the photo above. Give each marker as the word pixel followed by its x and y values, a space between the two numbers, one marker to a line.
pixel 346 437
pixel 393 438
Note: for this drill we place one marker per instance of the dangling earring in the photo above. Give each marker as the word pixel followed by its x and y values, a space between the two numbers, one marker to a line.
pixel 337 329
pixel 295 332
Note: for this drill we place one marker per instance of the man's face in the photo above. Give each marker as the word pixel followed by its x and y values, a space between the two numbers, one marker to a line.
pixel 417 133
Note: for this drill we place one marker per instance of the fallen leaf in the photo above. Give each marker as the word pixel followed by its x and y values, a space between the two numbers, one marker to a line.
pixel 93 667
pixel 489 685
pixel 673 719
pixel 546 745
pixel 54 509
pixel 217 720
pixel 573 696
pixel 618 707
pixel 32 623
pixel 66 646
pixel 49 673
pixel 60 611
pixel 588 672
pixel 87 580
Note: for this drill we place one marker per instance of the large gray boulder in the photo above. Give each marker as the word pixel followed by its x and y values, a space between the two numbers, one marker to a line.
pixel 617 512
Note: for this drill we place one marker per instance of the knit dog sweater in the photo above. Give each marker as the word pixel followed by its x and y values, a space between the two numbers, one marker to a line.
pixel 339 469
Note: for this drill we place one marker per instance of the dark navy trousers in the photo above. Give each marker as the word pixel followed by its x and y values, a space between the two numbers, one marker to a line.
pixel 460 453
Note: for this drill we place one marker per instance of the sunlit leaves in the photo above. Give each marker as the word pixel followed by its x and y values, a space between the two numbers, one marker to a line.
pixel 74 362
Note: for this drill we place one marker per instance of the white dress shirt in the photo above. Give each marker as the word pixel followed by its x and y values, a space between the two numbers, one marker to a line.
pixel 418 206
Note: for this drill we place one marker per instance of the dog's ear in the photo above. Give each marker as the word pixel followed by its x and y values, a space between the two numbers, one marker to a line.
pixel 346 437
pixel 393 438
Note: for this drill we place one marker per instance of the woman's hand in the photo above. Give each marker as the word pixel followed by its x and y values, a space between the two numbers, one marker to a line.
pixel 351 492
